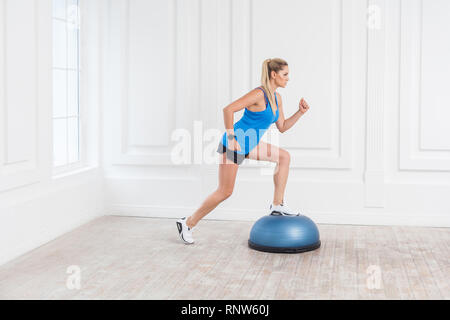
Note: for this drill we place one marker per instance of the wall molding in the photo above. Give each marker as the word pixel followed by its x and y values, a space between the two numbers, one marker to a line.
pixel 125 152
pixel 376 71
pixel 27 171
pixel 413 157
pixel 339 156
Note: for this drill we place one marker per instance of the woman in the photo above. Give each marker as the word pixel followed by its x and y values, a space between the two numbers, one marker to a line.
pixel 263 106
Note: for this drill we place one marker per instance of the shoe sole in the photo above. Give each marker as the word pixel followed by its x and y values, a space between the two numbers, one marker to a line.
pixel 180 232
pixel 278 213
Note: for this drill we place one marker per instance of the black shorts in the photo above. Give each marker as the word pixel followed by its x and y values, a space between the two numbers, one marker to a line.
pixel 231 154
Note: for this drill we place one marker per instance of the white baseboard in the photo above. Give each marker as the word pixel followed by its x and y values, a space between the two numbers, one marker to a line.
pixel 355 218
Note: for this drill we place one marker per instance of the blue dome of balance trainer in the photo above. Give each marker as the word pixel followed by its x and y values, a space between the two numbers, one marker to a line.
pixel 285 234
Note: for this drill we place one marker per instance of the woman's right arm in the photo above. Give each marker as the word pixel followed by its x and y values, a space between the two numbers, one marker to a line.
pixel 228 113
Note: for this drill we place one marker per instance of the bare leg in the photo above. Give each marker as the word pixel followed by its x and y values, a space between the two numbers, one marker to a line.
pixel 280 180
pixel 268 152
pixel 227 177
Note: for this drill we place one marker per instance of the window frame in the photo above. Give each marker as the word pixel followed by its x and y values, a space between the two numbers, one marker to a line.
pixel 81 162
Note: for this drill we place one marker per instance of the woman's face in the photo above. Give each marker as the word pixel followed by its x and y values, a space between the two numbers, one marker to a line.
pixel 282 77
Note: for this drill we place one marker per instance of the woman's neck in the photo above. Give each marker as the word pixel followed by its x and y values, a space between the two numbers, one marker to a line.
pixel 273 86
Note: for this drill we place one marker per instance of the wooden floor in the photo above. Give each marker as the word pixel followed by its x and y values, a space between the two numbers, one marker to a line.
pixel 143 258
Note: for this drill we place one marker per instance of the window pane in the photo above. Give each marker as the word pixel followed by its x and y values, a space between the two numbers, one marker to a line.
pixel 73 93
pixel 73 14
pixel 73 2
pixel 59 142
pixel 59 9
pixel 73 140
pixel 73 48
pixel 59 44
pixel 59 93
pixel 66 77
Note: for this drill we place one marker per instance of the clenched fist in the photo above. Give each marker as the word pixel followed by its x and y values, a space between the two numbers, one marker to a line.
pixel 303 106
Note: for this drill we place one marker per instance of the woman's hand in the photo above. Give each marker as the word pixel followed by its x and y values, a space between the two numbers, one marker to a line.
pixel 303 107
pixel 234 145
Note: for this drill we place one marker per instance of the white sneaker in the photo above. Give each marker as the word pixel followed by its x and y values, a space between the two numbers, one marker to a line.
pixel 282 210
pixel 184 231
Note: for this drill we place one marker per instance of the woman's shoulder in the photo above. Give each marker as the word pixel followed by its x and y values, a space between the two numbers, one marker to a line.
pixel 259 92
pixel 262 91
pixel 259 89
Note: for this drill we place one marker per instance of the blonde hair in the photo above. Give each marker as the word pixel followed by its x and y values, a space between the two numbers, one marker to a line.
pixel 268 66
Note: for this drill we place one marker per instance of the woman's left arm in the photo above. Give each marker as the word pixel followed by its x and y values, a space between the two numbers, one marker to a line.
pixel 285 124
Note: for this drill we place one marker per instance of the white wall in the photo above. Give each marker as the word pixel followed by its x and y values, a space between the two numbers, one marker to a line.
pixel 373 149
pixel 35 205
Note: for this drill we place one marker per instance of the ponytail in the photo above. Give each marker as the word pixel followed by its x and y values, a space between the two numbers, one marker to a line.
pixel 268 66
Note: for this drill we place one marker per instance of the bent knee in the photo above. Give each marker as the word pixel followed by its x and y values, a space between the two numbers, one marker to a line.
pixel 225 193
pixel 285 157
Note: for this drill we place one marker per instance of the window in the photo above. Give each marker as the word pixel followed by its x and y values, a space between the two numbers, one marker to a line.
pixel 66 84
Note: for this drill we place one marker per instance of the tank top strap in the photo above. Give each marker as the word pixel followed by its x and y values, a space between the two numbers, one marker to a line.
pixel 265 96
pixel 276 100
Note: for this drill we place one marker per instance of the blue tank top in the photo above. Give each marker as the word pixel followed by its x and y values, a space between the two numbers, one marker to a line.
pixel 252 126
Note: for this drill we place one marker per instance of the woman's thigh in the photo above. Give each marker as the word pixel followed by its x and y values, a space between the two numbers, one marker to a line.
pixel 227 174
pixel 267 152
